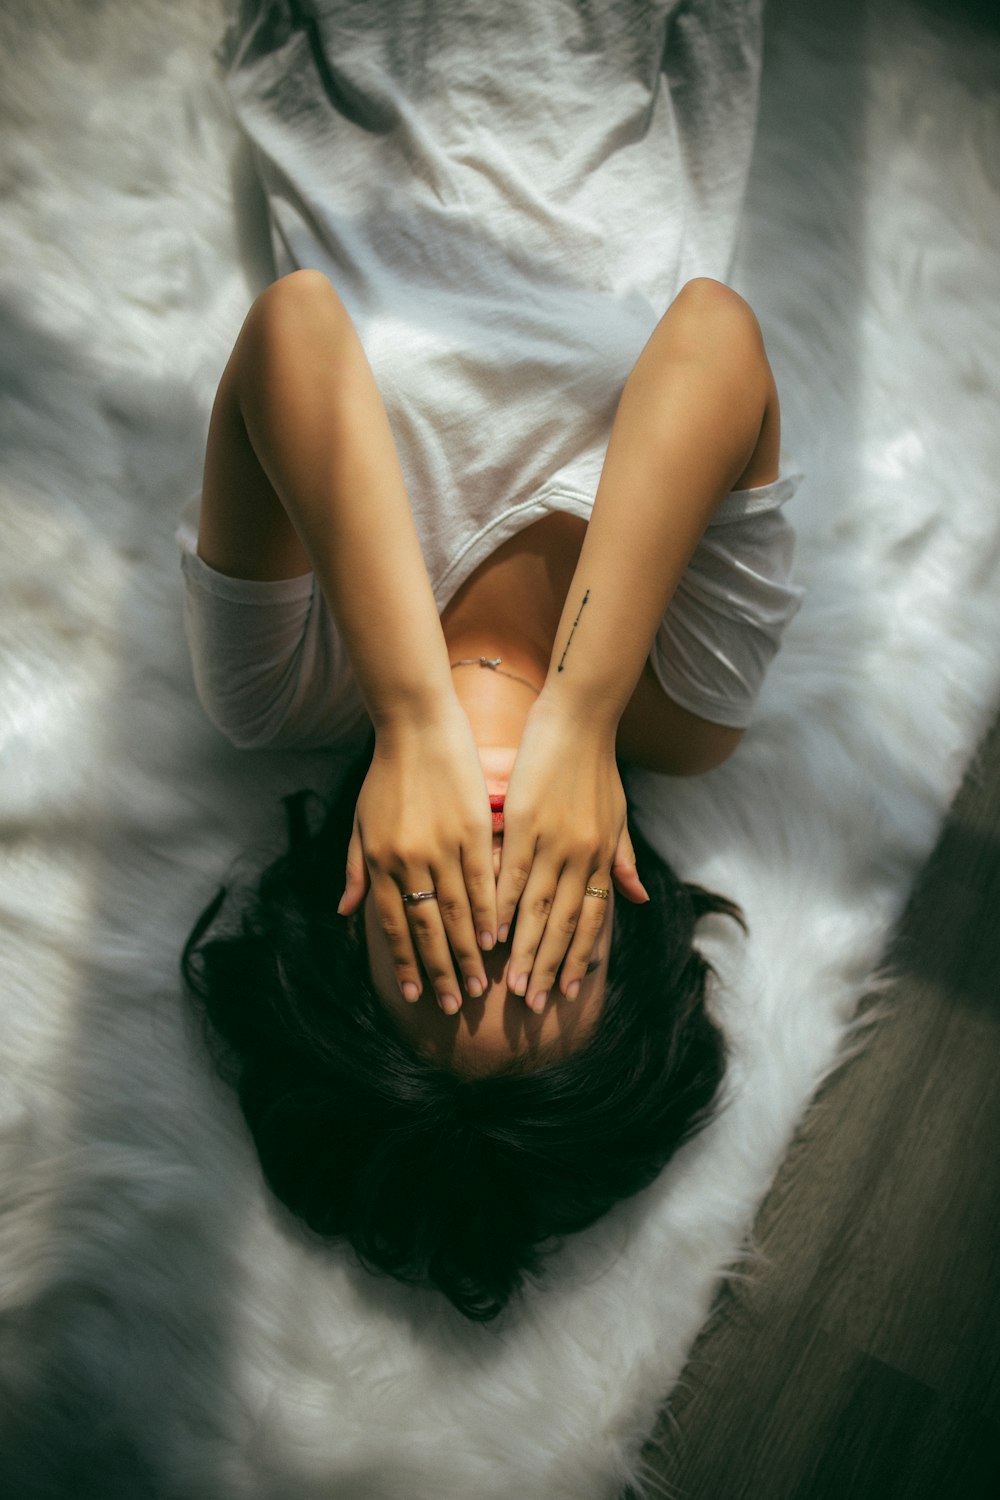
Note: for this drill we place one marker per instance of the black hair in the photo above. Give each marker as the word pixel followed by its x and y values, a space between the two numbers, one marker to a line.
pixel 439 1179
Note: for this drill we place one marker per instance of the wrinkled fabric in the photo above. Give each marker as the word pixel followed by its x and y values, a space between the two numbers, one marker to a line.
pixel 507 195
pixel 272 670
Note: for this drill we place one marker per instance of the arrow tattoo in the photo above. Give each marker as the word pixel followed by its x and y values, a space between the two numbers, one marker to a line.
pixel 573 631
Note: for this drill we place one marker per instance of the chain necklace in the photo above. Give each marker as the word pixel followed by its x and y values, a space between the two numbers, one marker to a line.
pixel 493 663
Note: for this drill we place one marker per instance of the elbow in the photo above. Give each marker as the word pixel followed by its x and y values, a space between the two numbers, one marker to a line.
pixel 712 751
pixel 703 753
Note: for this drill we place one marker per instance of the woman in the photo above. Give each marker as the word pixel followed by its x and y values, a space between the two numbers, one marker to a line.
pixel 451 1041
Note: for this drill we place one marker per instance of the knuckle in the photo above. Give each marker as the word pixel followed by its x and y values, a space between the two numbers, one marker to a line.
pixel 451 908
pixel 573 968
pixel 522 958
pixel 440 973
pixel 405 855
pixel 394 928
pixel 462 950
pixel 378 857
pixel 422 925
pixel 568 923
pixel 401 951
pixel 587 856
pixel 466 953
pixel 584 947
pixel 591 929
pixel 586 943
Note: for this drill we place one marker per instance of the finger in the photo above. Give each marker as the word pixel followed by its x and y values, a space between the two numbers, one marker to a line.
pixel 624 872
pixel 357 879
pixel 481 888
pixel 460 936
pixel 571 912
pixel 533 912
pixel 593 916
pixel 393 922
pixel 430 939
pixel 517 858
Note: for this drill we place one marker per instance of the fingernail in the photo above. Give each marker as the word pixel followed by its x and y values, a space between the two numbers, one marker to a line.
pixel 573 990
pixel 486 940
pixel 521 985
pixel 411 991
pixel 340 905
pixel 537 1002
pixel 474 987
pixel 449 1004
pixel 502 934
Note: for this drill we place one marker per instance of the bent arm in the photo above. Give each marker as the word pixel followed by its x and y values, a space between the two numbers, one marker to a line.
pixel 319 428
pixel 698 415
pixel 300 430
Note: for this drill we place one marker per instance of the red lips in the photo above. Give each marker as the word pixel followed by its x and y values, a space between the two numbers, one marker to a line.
pixel 496 808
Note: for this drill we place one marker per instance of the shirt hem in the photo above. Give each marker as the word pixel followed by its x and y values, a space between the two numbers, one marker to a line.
pixel 243 590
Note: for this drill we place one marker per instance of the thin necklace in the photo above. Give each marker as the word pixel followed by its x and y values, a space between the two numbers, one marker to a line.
pixel 493 662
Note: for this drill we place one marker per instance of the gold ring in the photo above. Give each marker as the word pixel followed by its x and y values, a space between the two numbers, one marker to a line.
pixel 600 891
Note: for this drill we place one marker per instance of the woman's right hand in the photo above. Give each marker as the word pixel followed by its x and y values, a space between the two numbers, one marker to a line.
pixel 423 823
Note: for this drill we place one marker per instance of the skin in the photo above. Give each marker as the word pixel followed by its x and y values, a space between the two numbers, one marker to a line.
pixel 489 1030
pixel 301 473
pixel 496 1027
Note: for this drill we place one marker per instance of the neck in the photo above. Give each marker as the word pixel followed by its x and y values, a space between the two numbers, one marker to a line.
pixel 497 705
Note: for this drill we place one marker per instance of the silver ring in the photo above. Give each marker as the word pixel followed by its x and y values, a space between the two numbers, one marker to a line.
pixel 410 898
pixel 600 891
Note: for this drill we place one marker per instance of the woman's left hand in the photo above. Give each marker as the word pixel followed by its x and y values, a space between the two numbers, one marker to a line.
pixel 565 827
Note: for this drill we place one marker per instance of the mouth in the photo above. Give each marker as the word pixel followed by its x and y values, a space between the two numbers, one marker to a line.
pixel 496 809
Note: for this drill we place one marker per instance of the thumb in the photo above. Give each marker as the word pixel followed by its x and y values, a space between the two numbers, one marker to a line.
pixel 624 872
pixel 356 887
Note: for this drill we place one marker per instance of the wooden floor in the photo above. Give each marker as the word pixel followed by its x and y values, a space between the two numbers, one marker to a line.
pixel 864 1361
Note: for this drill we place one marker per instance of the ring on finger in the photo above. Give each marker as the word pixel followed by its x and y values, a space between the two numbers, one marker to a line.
pixel 413 898
pixel 600 891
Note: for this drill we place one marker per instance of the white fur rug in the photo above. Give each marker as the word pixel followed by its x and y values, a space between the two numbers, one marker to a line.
pixel 165 1331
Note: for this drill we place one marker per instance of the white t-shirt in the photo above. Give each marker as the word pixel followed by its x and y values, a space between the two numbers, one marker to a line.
pixel 507 195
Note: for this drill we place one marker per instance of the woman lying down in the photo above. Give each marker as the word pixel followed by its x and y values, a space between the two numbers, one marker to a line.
pixel 493 499
pixel 464 1011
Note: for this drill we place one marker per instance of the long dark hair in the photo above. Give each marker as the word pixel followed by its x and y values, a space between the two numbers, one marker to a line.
pixel 461 1183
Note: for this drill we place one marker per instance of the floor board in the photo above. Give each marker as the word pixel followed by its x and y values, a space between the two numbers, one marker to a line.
pixel 862 1357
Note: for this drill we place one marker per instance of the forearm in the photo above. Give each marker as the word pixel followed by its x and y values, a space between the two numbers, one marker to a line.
pixel 318 425
pixel 687 424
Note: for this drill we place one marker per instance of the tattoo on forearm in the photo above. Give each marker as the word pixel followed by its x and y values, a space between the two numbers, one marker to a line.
pixel 573 631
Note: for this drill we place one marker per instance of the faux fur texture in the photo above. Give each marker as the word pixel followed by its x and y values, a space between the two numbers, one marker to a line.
pixel 166 1331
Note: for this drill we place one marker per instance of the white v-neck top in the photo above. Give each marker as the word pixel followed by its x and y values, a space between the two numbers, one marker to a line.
pixel 507 195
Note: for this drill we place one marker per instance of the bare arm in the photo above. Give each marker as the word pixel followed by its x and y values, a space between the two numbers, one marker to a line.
pixel 690 419
pixel 302 472
pixel 318 425
pixel 698 416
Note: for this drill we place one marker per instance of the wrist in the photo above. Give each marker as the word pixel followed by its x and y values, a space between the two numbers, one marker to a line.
pixel 418 710
pixel 585 717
